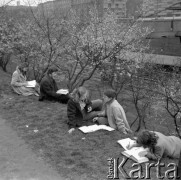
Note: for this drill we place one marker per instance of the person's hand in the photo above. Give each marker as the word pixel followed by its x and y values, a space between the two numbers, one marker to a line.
pixel 142 153
pixel 128 146
pixel 129 131
pixel 124 132
pixel 131 145
pixel 89 109
pixel 82 105
pixel 37 85
pixel 71 130
pixel 95 119
pixel 25 83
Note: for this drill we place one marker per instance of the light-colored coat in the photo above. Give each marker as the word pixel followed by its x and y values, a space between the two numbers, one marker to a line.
pixel 166 146
pixel 17 84
pixel 116 116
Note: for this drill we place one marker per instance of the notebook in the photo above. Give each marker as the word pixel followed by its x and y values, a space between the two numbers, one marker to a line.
pixel 95 127
pixel 62 91
pixel 31 83
pixel 133 153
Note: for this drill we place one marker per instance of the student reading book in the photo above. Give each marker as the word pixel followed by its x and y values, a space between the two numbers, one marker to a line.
pixel 136 153
pixel 20 84
pixel 95 127
pixel 49 87
pixel 158 144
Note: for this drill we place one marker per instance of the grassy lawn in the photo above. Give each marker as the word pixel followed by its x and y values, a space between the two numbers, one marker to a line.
pixel 75 156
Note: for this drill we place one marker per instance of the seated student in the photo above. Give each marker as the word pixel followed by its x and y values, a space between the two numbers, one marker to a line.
pixel 81 109
pixel 19 82
pixel 159 145
pixel 114 114
pixel 48 88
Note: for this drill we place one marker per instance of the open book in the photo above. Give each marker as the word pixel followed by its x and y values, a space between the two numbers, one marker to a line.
pixel 136 153
pixel 95 127
pixel 125 142
pixel 62 91
pixel 31 83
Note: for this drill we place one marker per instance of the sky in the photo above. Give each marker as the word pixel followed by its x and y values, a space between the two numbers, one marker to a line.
pixel 22 2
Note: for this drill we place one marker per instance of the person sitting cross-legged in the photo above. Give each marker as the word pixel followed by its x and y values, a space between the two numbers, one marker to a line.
pixel 19 82
pixel 49 88
pixel 113 115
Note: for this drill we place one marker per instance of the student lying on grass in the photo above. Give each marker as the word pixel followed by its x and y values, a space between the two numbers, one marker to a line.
pixel 80 109
pixel 159 145
pixel 114 114
pixel 19 82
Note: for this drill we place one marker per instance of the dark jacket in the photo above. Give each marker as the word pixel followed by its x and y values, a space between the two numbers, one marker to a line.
pixel 48 89
pixel 75 114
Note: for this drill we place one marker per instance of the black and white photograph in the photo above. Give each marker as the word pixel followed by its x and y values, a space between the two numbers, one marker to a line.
pixel 90 89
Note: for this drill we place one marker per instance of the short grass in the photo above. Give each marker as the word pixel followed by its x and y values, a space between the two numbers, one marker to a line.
pixel 75 156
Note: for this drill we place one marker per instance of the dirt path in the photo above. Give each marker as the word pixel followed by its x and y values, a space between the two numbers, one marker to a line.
pixel 18 162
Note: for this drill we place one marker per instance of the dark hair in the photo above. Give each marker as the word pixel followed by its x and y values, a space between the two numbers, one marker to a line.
pixel 23 65
pixel 51 70
pixel 147 138
pixel 110 93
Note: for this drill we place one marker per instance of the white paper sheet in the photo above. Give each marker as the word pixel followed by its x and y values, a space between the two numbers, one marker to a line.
pixel 62 91
pixel 31 83
pixel 95 127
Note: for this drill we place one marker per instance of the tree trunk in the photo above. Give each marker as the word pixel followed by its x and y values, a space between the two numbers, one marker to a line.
pixel 4 60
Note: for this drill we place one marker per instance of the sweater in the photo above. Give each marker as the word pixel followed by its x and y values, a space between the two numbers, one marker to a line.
pixel 166 146
pixel 116 116
pixel 17 81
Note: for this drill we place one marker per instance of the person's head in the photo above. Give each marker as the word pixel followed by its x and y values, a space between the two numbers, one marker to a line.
pixel 147 139
pixel 23 67
pixel 109 95
pixel 80 94
pixel 52 71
